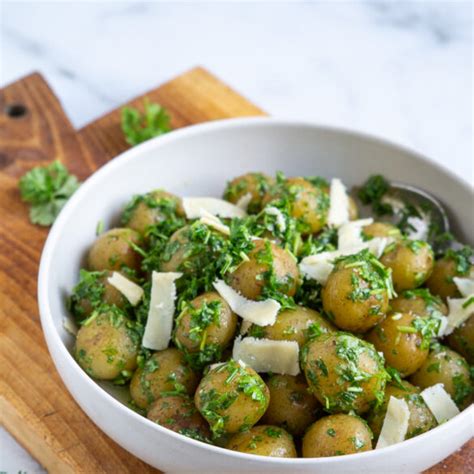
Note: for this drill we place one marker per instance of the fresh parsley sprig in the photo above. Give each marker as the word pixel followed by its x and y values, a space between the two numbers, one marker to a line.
pixel 139 127
pixel 47 189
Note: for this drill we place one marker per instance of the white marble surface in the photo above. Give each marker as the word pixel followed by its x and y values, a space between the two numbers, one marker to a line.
pixel 400 70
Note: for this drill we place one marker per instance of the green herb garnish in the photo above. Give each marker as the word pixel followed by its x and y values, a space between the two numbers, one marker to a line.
pixel 139 127
pixel 372 193
pixel 47 189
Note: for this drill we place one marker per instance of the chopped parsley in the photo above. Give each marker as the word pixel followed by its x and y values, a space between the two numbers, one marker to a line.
pixel 395 377
pixel 214 404
pixel 273 432
pixel 462 389
pixel 461 258
pixel 369 276
pixel 372 193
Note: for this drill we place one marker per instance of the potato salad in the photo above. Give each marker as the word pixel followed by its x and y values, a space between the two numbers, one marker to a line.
pixel 274 320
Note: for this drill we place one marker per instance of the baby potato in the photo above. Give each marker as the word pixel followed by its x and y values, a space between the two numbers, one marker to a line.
pixel 401 342
pixel 353 210
pixel 180 254
pixel 113 249
pixel 453 264
pixel 343 372
pixel 205 328
pixel 264 440
pixel 356 293
pixel 148 209
pixel 381 229
pixel 411 262
pixel 449 368
pixel 309 202
pixel 291 405
pixel 296 324
pixel 255 184
pixel 421 419
pixel 190 249
pixel 107 346
pixel 91 292
pixel 264 260
pixel 165 371
pixel 178 413
pixel 420 302
pixel 462 340
pixel 231 397
pixel 336 435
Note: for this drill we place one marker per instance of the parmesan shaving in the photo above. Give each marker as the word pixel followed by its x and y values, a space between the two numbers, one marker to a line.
pixel 339 204
pixel 217 207
pixel 159 324
pixel 460 310
pixel 377 245
pixel 280 218
pixel 395 423
pixel 129 289
pixel 265 355
pixel 464 285
pixel 318 267
pixel 244 327
pixel 349 234
pixel 262 313
pixel 244 201
pixel 439 402
pixel 70 326
pixel 214 222
pixel 418 227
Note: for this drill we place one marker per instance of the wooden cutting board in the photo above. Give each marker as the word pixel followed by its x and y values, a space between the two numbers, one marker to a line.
pixel 35 407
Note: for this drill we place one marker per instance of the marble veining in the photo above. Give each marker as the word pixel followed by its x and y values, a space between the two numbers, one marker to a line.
pixel 401 70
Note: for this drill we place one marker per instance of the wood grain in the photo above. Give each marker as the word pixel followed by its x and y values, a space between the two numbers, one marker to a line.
pixel 34 404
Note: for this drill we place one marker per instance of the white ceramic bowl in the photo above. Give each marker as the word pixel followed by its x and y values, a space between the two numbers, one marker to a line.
pixel 199 160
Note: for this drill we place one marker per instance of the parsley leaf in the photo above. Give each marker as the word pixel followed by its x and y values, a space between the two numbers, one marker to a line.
pixel 139 127
pixel 47 189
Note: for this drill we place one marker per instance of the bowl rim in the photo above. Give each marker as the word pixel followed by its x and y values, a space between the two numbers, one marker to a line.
pixel 188 131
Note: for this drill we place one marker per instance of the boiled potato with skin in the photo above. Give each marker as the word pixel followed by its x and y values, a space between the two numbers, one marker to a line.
pixel 353 210
pixel 188 250
pixel 411 262
pixel 92 291
pixel 165 371
pixel 296 324
pixel 264 440
pixel 420 302
pixel 255 184
pixel 381 229
pixel 445 366
pixel 291 405
pixel 231 397
pixel 151 208
pixel 178 413
pixel 462 340
pixel 252 275
pixel 206 326
pixel 401 343
pixel 309 202
pixel 343 372
pixel 421 419
pixel 356 294
pixel 113 250
pixel 336 435
pixel 441 281
pixel 107 346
